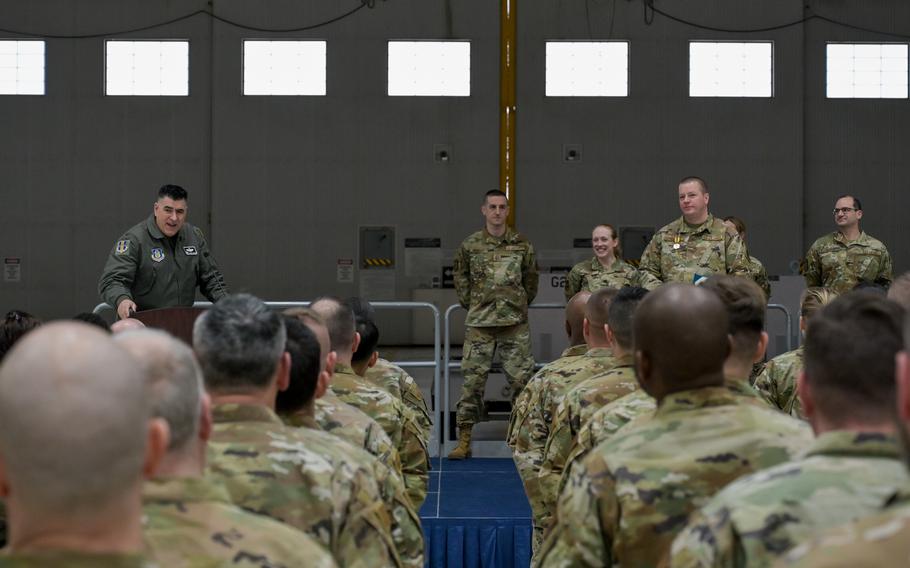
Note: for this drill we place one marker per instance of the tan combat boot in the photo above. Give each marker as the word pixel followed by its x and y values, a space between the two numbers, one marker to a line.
pixel 463 449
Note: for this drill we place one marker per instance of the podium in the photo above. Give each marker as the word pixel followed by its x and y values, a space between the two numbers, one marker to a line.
pixel 177 321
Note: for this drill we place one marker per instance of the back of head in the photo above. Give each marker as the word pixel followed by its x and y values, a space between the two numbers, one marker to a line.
pixel 305 366
pixel 16 324
pixel 339 319
pixel 174 381
pixel 597 307
pixel 175 192
pixel 621 315
pixel 362 309
pixel 682 331
pixel 575 312
pixel 73 422
pixel 94 319
pixel 745 303
pixel 870 288
pixel 812 300
pixel 899 291
pixel 238 342
pixel 850 349
pixel 369 339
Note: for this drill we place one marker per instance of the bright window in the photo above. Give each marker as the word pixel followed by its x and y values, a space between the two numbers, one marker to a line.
pixel 587 69
pixel 867 71
pixel 21 67
pixel 731 69
pixel 284 67
pixel 429 69
pixel 147 68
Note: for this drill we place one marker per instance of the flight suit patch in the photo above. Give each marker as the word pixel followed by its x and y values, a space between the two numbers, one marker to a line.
pixel 123 246
pixel 190 251
pixel 157 254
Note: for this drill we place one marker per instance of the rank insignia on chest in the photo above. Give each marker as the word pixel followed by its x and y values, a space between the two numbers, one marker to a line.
pixel 157 254
pixel 190 251
pixel 123 246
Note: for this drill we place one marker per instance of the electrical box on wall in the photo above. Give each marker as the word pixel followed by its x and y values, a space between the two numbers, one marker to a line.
pixel 377 248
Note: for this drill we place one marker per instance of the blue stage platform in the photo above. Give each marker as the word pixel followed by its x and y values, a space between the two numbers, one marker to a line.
pixel 476 515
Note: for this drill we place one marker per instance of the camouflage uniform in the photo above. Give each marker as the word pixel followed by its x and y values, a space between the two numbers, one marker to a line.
pixel 679 251
pixel 633 493
pixel 397 421
pixel 549 386
pixel 838 264
pixel 843 476
pixel 520 408
pixel 777 383
pixel 758 273
pixel 144 267
pixel 402 386
pixel 881 540
pixel 191 522
pixel 576 408
pixel 496 279
pixel 303 478
pixel 72 559
pixel 352 425
pixel 592 276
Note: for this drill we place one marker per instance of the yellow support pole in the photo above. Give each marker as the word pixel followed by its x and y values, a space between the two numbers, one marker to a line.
pixel 508 32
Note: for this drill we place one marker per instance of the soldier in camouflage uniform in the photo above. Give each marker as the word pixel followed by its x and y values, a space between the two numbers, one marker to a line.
pixel 840 260
pixel 496 278
pixel 695 245
pixel 777 382
pixel 160 262
pixel 634 493
pixel 397 421
pixel 547 392
pixel 402 386
pixel 585 398
pixel 757 270
pixel 851 469
pixel 189 520
pixel 309 351
pixel 305 478
pixel 75 439
pixel 606 269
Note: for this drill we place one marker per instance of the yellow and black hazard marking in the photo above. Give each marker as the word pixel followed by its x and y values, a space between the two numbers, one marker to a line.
pixel 378 263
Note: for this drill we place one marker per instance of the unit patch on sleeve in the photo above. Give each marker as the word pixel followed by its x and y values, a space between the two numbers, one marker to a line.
pixel 123 246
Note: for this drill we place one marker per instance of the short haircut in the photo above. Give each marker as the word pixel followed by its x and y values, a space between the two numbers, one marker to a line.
pixel 745 303
pixel 598 305
pixel 493 193
pixel 363 310
pixel 899 291
pixel 306 361
pixel 812 299
pixel 175 192
pixel 738 223
pixel 850 348
pixel 339 320
pixel 870 288
pixel 621 315
pixel 696 179
pixel 239 342
pixel 16 324
pixel 174 381
pixel 856 203
pixel 369 339
pixel 92 318
pixel 73 421
pixel 304 315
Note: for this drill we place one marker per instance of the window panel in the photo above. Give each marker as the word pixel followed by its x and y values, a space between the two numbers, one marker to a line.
pixel 429 68
pixel 284 68
pixel 146 68
pixel 22 65
pixel 866 70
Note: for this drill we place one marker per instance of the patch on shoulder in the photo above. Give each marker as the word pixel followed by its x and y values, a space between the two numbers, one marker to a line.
pixel 123 246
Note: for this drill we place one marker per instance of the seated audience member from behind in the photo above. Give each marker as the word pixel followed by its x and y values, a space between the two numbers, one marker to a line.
pixel 15 324
pixel 310 484
pixel 75 443
pixel 93 319
pixel 161 261
pixel 899 291
pixel 630 497
pixel 205 527
pixel 851 470
pixel 839 260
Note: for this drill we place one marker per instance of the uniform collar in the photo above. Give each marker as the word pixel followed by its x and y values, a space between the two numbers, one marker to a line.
pixel 596 265
pixel 344 369
pixel 301 419
pixel 508 236
pixel 739 386
pixel 233 412
pixel 625 361
pixel 177 490
pixel 843 443
pixel 862 239
pixel 574 351
pixel 156 233
pixel 695 400
pixel 703 228
pixel 599 352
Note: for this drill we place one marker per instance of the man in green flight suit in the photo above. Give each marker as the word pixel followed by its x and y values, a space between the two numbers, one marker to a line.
pixel 159 262
pixel 495 278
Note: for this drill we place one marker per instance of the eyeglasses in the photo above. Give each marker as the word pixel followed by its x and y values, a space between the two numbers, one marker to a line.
pixel 844 210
